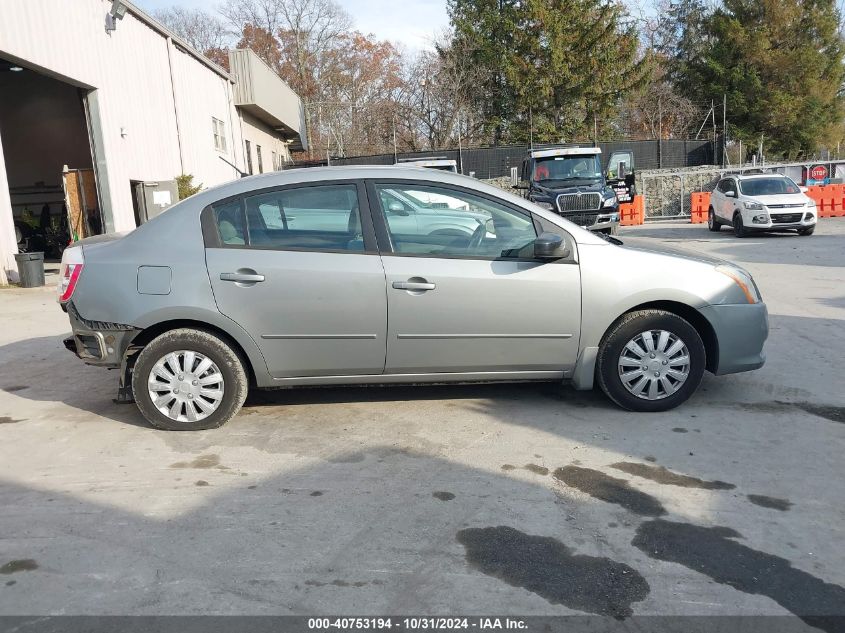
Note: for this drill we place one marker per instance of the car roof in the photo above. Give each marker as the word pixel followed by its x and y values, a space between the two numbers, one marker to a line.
pixel 428 162
pixel 565 151
pixel 755 176
pixel 345 172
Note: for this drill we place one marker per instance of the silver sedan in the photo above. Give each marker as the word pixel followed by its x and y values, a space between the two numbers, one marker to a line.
pixel 315 277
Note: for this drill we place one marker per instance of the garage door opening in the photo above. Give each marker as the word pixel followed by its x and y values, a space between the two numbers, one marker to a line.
pixel 43 130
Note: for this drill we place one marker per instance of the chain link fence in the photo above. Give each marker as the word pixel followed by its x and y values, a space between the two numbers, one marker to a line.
pixel 667 192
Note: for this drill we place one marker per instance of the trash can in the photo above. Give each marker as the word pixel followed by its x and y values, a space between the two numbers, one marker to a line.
pixel 30 269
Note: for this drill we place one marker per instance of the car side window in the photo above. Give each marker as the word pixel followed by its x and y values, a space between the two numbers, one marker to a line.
pixel 229 220
pixel 457 224
pixel 320 218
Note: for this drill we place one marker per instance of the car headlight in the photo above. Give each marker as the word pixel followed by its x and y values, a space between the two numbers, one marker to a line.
pixel 754 206
pixel 610 202
pixel 744 281
pixel 544 205
pixel 811 203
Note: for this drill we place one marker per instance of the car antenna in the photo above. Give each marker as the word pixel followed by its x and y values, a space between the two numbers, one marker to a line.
pixel 242 174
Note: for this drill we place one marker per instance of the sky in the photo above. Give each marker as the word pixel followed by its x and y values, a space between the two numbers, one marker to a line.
pixel 411 23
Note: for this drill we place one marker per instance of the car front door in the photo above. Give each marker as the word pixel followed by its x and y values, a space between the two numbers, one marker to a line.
pixel 728 199
pixel 298 268
pixel 475 301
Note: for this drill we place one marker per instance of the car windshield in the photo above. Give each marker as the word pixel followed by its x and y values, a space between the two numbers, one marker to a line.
pixel 565 168
pixel 768 186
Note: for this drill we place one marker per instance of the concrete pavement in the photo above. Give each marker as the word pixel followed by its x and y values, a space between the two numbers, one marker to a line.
pixel 523 499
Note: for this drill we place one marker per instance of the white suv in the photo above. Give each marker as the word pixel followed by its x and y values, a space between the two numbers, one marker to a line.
pixel 762 202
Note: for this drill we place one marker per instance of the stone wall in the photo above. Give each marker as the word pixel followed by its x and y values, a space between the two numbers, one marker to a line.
pixel 667 191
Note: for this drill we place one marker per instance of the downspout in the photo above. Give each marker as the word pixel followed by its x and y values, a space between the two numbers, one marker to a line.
pixel 240 144
pixel 169 42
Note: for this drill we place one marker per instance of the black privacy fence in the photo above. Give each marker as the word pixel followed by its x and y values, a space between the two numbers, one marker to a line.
pixel 496 162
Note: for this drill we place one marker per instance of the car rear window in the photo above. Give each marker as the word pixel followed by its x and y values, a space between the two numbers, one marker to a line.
pixel 320 218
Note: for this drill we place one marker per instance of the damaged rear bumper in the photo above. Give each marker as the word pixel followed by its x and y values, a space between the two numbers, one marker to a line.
pixel 98 343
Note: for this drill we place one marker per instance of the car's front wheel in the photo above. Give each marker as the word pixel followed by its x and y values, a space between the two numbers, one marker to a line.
pixel 739 227
pixel 188 380
pixel 650 360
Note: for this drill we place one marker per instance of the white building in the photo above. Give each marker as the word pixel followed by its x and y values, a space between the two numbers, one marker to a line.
pixel 99 85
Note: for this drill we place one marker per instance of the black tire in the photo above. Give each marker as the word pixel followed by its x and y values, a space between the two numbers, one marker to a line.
pixel 739 227
pixel 626 328
pixel 235 383
pixel 808 231
pixel 712 223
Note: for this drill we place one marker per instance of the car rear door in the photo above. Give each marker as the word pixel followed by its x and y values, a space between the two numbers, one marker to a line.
pixel 719 200
pixel 297 267
pixel 475 303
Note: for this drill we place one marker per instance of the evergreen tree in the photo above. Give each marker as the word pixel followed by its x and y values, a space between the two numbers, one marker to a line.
pixel 564 61
pixel 780 64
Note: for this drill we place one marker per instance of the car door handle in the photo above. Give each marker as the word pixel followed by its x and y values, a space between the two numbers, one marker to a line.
pixel 413 285
pixel 241 277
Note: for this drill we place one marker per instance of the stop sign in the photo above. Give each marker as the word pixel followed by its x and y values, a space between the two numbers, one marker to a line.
pixel 818 172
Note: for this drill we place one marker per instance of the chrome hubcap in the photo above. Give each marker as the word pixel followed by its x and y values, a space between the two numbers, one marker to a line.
pixel 654 364
pixel 185 386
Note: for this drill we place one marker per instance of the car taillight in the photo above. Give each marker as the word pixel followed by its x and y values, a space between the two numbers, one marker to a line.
pixel 72 264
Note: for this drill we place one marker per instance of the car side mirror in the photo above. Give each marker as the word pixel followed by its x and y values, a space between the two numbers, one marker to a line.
pixel 730 194
pixel 549 246
pixel 396 208
pixel 803 189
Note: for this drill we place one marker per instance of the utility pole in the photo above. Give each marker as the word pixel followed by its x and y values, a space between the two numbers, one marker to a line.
pixel 713 114
pixel 460 149
pixel 530 128
pixel 395 152
pixel 659 133
pixel 659 118
pixel 724 128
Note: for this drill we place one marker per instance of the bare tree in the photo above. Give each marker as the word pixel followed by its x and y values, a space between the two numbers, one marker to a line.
pixel 660 112
pixel 203 31
pixel 297 34
pixel 437 100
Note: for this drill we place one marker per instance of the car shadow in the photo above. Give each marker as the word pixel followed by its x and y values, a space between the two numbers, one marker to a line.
pixel 42 370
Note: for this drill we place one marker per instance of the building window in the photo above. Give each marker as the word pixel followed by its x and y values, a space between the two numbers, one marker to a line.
pixel 219 129
pixel 275 157
pixel 258 155
pixel 248 146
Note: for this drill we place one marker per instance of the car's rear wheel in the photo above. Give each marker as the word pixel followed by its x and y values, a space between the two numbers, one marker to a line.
pixel 808 231
pixel 712 223
pixel 650 360
pixel 739 227
pixel 188 380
